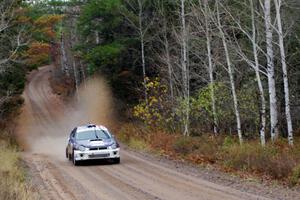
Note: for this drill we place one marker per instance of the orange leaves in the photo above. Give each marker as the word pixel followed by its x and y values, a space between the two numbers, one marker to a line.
pixel 46 24
pixel 48 32
pixel 48 20
pixel 44 28
pixel 23 20
pixel 38 53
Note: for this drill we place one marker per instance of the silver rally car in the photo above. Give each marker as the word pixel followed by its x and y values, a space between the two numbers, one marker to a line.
pixel 92 142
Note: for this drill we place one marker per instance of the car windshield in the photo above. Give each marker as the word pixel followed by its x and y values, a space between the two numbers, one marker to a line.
pixel 92 135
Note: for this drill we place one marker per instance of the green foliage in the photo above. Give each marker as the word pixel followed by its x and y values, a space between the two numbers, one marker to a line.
pixel 100 15
pixel 201 106
pixel 228 142
pixel 104 56
pixel 12 82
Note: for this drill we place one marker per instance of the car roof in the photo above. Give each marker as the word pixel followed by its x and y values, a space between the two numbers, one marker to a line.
pixel 91 126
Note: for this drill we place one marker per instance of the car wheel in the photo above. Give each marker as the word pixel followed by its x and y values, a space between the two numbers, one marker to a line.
pixel 67 155
pixel 116 160
pixel 75 162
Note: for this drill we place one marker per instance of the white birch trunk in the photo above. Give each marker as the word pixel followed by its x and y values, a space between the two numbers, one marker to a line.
pixel 284 70
pixel 185 72
pixel 142 47
pixel 259 82
pixel 271 71
pixel 210 66
pixel 230 72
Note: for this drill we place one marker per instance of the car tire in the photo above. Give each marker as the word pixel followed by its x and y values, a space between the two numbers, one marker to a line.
pixel 75 162
pixel 117 160
pixel 67 155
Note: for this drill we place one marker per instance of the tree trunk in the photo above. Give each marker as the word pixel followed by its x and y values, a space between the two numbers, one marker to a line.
pixel 259 82
pixel 142 48
pixel 271 71
pixel 210 67
pixel 284 70
pixel 64 61
pixel 76 78
pixel 230 72
pixel 185 72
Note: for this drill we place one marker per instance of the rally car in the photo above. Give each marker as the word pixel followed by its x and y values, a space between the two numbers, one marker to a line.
pixel 92 142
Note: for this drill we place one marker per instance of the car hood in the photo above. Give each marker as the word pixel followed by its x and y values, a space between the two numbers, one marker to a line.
pixel 97 143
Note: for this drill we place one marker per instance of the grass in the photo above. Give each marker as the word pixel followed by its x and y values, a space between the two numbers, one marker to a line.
pixel 13 184
pixel 275 161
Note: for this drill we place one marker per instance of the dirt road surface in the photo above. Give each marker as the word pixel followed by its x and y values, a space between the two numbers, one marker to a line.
pixel 44 127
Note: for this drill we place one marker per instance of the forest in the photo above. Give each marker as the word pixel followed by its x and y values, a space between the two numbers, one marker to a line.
pixel 208 81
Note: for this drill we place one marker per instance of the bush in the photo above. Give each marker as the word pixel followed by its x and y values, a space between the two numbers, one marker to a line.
pixel 155 112
pixel 162 141
pixel 274 161
pixel 137 144
pixel 183 145
pixel 295 177
pixel 13 180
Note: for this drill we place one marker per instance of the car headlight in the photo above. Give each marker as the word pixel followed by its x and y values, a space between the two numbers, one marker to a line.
pixel 113 146
pixel 81 148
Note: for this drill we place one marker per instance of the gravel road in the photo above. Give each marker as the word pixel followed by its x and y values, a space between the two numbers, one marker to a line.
pixel 44 126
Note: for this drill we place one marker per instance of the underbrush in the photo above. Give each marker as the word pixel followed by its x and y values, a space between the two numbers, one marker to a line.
pixel 13 184
pixel 275 161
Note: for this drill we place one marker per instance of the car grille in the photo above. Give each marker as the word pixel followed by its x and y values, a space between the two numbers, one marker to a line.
pixel 98 148
pixel 99 155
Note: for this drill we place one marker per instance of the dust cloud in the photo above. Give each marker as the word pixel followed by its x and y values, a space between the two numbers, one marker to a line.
pixel 46 122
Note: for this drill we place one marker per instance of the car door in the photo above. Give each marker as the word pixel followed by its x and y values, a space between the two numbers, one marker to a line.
pixel 71 141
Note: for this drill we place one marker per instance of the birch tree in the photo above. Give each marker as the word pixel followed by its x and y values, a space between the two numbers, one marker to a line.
pixel 271 70
pixel 253 38
pixel 257 73
pixel 210 63
pixel 278 4
pixel 231 76
pixel 185 70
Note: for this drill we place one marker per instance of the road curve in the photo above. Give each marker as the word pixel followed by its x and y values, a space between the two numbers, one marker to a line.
pixel 55 178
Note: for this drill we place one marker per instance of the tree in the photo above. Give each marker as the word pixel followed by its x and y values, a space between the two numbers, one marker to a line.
pixel 278 4
pixel 135 15
pixel 271 70
pixel 230 73
pixel 162 9
pixel 251 35
pixel 185 70
pixel 207 17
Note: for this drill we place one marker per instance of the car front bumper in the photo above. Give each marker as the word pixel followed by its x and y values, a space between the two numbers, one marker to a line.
pixel 96 154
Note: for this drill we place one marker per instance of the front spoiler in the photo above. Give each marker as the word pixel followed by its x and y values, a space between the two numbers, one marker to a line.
pixel 96 154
